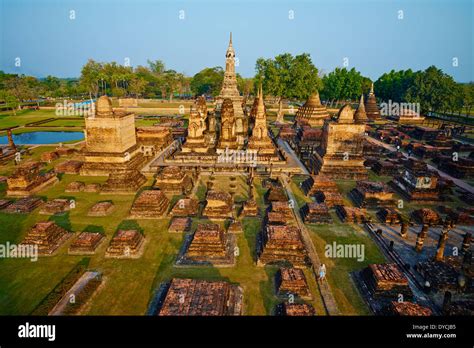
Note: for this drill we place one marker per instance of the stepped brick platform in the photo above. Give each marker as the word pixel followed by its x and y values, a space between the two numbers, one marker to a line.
pixel 295 309
pixel 49 156
pixel 250 208
pixel 191 297
pixel 4 203
pixel 283 208
pixel 24 205
pixel 219 205
pixel 276 193
pixel 235 227
pixel 123 182
pixel 351 215
pixel 209 245
pixel 153 139
pixel 64 151
pixel 426 216
pixel 75 186
pixel 411 309
pixel 86 243
pixel 323 189
pixel 275 218
pixel 292 281
pixel 443 274
pixel 185 207
pixel 368 194
pixel 180 225
pixel 92 188
pixel 278 244
pixel 150 204
pixel 172 180
pixel 126 244
pixel 47 236
pixel 315 213
pixel 389 216
pixel 386 167
pixel 417 186
pixel 101 209
pixel 69 167
pixel 28 180
pixel 386 280
pixel 55 206
pixel 312 112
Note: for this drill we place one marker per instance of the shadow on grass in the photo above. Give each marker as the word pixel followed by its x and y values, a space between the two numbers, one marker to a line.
pixel 129 225
pixel 94 229
pixel 62 221
pixel 267 290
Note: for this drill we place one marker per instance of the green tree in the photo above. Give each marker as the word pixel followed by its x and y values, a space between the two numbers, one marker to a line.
pixel 343 84
pixel 208 81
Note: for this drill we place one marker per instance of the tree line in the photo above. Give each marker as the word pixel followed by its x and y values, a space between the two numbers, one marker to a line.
pixel 284 77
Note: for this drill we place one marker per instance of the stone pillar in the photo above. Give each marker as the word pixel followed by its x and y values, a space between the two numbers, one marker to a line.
pixel 441 245
pixel 420 239
pixel 10 140
pixel 466 243
pixel 404 230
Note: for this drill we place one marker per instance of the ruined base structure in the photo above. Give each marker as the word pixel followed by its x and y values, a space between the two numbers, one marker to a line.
pixel 292 281
pixel 126 244
pixel 47 236
pixel 295 309
pixel 219 205
pixel 172 180
pixel 28 180
pixel 280 244
pixel 406 308
pixel 315 213
pixel 387 280
pixel 191 297
pixel 209 245
pixel 86 243
pixel 150 204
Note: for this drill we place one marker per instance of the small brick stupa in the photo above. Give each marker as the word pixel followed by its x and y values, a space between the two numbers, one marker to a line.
pixel 371 107
pixel 312 113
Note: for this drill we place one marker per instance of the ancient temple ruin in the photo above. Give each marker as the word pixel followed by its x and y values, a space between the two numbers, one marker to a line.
pixel 341 152
pixel 312 113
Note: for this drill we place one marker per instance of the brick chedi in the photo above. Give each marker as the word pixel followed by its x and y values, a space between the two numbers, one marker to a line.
pixel 237 122
pixel 312 113
pixel 360 115
pixel 250 208
pixel 219 205
pixel 185 207
pixel 209 245
pixel 192 297
pixel 351 215
pixel 292 281
pixel 197 140
pixel 228 135
pixel 368 194
pixel 426 216
pixel 341 152
pixel 125 243
pixel 153 139
pixel 28 180
pixel 260 141
pixel 111 148
pixel 281 244
pixel 406 308
pixel 75 186
pixel 150 204
pixel 180 225
pixel 371 107
pixel 315 213
pixel 172 180
pixel 47 236
pixel 85 243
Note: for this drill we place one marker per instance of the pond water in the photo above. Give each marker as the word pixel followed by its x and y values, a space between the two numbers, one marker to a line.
pixel 43 138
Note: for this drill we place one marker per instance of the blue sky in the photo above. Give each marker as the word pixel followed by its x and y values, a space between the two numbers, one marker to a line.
pixel 367 32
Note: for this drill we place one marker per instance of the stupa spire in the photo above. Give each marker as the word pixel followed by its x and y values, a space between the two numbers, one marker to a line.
pixel 260 106
pixel 372 88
